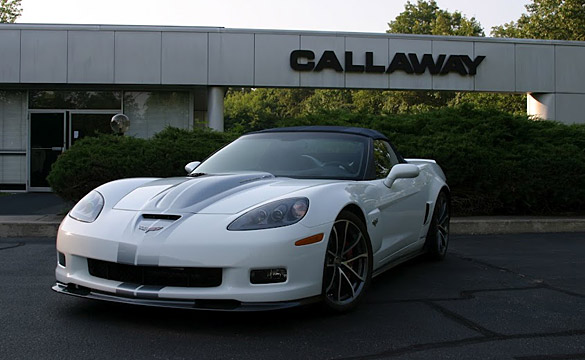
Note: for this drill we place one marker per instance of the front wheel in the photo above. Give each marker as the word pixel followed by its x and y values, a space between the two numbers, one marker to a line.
pixel 347 270
pixel 437 239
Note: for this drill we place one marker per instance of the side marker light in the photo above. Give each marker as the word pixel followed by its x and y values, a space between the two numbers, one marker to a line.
pixel 310 240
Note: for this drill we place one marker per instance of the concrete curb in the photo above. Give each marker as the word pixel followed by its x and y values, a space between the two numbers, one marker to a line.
pixel 30 226
pixel 47 225
pixel 515 225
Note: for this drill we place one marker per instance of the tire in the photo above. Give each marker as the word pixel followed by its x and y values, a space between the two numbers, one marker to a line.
pixel 437 240
pixel 347 269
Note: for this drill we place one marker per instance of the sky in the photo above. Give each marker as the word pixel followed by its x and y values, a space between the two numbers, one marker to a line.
pixel 324 15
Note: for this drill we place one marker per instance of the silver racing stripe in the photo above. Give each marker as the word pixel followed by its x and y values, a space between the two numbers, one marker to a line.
pixel 126 253
pixel 148 260
pixel 139 291
pixel 151 243
pixel 148 291
pixel 189 195
pixel 126 289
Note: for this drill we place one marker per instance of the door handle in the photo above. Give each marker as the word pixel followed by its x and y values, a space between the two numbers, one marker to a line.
pixel 57 148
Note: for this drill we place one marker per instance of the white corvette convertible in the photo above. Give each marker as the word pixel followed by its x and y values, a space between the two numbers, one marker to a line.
pixel 275 219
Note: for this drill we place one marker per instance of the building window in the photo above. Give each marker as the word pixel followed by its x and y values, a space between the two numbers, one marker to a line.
pixel 151 112
pixel 78 100
pixel 13 140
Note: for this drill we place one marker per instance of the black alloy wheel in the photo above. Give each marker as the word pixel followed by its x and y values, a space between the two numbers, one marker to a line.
pixel 347 270
pixel 437 240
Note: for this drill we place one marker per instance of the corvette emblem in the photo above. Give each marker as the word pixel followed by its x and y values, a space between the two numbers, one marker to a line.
pixel 148 229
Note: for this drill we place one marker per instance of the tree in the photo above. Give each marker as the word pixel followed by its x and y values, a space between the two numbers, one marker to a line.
pixel 329 100
pixel 510 103
pixel 254 109
pixel 548 19
pixel 427 18
pixel 9 10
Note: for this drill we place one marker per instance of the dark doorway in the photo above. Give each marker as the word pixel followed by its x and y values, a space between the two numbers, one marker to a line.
pixel 47 142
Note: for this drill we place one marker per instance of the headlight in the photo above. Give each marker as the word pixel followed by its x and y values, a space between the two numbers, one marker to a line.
pixel 275 214
pixel 88 208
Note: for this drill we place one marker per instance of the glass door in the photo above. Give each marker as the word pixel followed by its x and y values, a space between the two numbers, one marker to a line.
pixel 86 123
pixel 47 142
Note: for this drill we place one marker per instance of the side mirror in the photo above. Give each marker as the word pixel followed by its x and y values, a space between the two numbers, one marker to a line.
pixel 401 171
pixel 191 166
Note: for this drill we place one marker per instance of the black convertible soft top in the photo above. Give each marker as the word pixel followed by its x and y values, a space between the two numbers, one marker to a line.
pixel 330 129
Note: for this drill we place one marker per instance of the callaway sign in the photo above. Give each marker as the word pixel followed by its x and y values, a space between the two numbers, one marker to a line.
pixel 304 60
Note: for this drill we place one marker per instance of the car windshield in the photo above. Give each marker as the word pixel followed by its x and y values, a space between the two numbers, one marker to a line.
pixel 314 155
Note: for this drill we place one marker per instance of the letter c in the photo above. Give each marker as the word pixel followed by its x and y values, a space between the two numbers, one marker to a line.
pixel 302 54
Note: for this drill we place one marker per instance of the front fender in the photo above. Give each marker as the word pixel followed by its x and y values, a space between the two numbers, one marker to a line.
pixel 332 199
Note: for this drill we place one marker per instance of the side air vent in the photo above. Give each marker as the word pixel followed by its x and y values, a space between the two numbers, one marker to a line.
pixel 427 209
pixel 161 217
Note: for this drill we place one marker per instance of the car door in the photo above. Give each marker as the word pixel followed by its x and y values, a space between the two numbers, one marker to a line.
pixel 401 207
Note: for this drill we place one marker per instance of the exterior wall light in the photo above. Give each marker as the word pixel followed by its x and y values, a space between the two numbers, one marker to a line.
pixel 120 123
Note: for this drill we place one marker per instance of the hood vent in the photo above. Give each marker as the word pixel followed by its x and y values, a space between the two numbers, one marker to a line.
pixel 161 217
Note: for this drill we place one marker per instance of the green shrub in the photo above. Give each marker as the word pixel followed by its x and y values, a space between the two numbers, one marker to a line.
pixel 94 161
pixel 496 163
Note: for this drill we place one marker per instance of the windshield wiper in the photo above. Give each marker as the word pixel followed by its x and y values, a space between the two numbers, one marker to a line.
pixel 196 174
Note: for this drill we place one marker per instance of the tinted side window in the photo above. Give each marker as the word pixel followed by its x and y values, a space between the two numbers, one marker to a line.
pixel 384 158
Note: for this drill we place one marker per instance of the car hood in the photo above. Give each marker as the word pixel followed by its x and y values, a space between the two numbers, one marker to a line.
pixel 210 194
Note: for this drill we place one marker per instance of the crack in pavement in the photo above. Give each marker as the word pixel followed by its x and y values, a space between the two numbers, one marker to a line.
pixel 463 295
pixel 469 341
pixel 487 335
pixel 7 246
pixel 541 282
pixel 462 320
pixel 552 357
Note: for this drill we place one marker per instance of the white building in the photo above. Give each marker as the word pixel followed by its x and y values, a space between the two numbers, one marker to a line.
pixel 59 83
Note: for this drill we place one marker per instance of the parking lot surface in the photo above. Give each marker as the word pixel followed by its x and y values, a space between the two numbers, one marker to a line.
pixel 494 297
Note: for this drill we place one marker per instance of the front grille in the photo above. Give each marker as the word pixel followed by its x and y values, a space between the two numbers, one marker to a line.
pixel 155 275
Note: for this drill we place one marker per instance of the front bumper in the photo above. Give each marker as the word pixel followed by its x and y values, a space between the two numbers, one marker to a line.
pixel 194 241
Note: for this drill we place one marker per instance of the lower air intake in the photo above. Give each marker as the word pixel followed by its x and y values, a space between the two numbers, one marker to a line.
pixel 156 275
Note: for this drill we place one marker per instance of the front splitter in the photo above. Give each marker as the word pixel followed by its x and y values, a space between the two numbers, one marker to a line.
pixel 196 304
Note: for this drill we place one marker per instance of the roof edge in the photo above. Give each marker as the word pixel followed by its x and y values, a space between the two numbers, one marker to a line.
pixel 374 134
pixel 219 29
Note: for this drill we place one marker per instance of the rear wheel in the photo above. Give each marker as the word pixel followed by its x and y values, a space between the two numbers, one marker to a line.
pixel 347 270
pixel 437 240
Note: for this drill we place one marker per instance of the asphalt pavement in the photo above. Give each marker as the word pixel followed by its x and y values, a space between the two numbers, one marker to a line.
pixel 494 297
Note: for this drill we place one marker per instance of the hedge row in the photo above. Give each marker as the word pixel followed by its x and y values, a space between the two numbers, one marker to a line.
pixel 94 161
pixel 496 163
